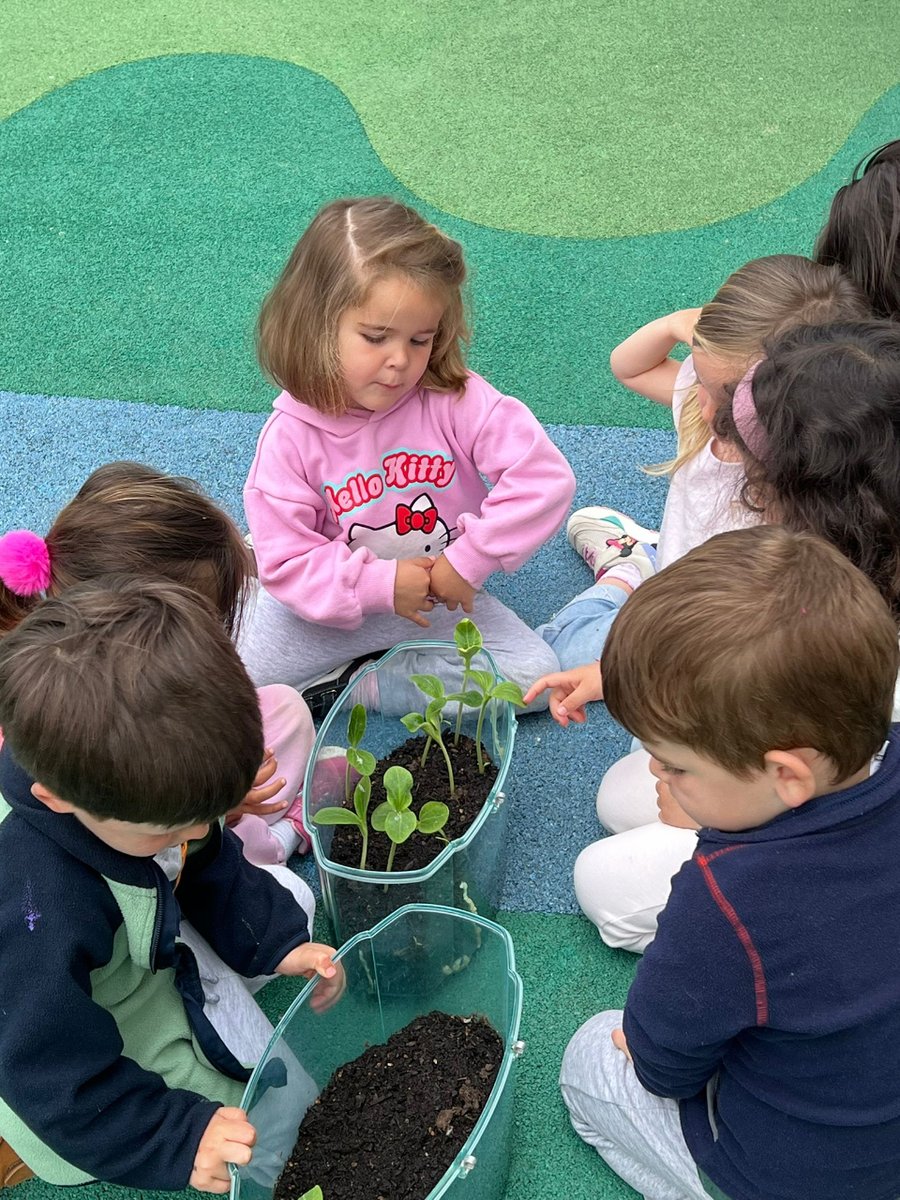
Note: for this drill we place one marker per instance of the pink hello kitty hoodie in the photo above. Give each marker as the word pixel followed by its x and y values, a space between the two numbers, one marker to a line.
pixel 332 502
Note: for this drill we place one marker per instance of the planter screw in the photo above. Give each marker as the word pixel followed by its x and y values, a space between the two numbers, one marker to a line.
pixel 468 1164
pixel 518 1048
pixel 499 800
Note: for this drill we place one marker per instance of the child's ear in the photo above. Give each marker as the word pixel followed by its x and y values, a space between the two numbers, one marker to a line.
pixel 793 775
pixel 49 798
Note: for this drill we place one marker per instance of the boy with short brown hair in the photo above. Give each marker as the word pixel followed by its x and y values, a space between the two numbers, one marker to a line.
pixel 130 727
pixel 759 1043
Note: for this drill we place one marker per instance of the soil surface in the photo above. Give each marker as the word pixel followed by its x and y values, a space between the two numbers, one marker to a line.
pixel 429 783
pixel 390 1123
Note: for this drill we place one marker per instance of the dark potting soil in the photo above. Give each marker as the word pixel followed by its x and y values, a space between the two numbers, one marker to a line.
pixel 390 1123
pixel 429 783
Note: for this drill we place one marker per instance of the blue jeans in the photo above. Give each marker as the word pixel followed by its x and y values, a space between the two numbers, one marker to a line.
pixel 578 631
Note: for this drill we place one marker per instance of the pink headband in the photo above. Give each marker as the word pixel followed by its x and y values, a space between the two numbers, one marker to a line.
pixel 24 562
pixel 746 418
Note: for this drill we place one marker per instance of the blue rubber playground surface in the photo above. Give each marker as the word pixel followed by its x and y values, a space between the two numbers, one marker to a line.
pixel 158 162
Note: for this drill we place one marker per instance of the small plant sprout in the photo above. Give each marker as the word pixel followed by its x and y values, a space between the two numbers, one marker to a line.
pixel 358 760
pixel 432 722
pixel 357 816
pixel 395 816
pixel 489 690
pixel 314 1193
pixel 469 641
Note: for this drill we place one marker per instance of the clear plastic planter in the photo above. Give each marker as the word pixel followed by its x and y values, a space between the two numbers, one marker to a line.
pixel 468 872
pixel 308 1047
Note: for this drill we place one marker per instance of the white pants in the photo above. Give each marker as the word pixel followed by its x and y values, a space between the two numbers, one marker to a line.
pixel 622 882
pixel 636 1133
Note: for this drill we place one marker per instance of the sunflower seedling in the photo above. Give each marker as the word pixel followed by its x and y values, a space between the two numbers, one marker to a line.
pixel 469 641
pixel 489 689
pixel 358 815
pixel 395 816
pixel 432 722
pixel 358 760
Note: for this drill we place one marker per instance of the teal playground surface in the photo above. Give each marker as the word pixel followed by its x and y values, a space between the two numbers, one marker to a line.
pixel 601 162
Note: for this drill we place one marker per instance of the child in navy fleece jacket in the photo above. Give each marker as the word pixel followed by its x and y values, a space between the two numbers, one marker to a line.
pixel 758 1056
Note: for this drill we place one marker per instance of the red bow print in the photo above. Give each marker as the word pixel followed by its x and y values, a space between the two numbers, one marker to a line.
pixel 424 519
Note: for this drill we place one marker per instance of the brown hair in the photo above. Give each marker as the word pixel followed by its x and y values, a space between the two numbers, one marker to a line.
pixel 348 246
pixel 758 301
pixel 827 404
pixel 133 519
pixel 126 698
pixel 757 640
pixel 862 233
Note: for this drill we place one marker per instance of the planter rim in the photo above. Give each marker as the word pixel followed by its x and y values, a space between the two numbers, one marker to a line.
pixel 511 1035
pixel 395 878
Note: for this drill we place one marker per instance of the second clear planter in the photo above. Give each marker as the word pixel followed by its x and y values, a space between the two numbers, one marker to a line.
pixel 468 872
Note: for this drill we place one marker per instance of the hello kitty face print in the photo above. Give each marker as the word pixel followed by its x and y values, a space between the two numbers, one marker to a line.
pixel 416 530
pixel 407 524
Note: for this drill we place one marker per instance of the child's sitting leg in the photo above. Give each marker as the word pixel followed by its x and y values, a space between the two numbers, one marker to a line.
pixel 637 1133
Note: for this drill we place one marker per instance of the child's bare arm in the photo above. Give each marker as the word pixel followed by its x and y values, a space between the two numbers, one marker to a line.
pixel 642 361
pixel 228 1138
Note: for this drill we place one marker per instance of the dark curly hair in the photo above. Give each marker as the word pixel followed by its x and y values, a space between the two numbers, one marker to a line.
pixel 862 233
pixel 828 403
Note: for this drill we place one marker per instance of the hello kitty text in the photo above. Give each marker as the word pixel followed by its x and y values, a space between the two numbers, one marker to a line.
pixel 401 469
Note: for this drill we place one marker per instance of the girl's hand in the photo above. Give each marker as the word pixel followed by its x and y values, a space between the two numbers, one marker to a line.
pixel 314 958
pixel 572 690
pixel 449 586
pixel 264 788
pixel 681 324
pixel 412 588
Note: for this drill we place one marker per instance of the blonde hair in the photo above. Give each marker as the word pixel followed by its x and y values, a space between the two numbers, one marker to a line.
pixel 349 245
pixel 760 300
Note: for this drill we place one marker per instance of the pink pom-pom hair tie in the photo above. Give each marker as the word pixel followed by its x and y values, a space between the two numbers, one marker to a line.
pixel 746 418
pixel 24 562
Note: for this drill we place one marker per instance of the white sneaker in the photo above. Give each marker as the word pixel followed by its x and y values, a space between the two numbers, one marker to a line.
pixel 603 536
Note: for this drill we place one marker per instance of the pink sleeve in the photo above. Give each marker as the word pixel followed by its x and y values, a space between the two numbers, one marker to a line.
pixel 533 485
pixel 318 578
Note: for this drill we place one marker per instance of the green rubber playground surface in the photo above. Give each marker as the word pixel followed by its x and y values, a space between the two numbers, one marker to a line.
pixel 601 163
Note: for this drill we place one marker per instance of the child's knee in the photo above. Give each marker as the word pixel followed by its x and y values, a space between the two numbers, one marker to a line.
pixel 603 883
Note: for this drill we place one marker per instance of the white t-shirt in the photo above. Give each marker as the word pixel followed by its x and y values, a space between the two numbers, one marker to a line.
pixel 704 494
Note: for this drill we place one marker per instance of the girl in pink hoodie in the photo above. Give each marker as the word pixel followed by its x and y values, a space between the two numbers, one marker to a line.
pixel 371 519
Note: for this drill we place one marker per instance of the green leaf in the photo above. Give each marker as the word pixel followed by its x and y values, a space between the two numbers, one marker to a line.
pixel 399 825
pixel 398 785
pixel 433 712
pixel 336 816
pixel 429 684
pixel 433 816
pixel 510 692
pixel 362 794
pixel 314 1193
pixel 469 699
pixel 468 638
pixel 379 816
pixel 361 761
pixel 484 679
pixel 357 726
pixel 413 722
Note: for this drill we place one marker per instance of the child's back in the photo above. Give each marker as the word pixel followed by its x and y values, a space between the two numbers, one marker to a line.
pixel 764 1019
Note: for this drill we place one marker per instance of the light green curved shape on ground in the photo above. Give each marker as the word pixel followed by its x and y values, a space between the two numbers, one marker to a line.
pixel 559 117
pixel 148 208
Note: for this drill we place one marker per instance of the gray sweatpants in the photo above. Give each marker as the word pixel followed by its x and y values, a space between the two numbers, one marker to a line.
pixel 636 1133
pixel 277 646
